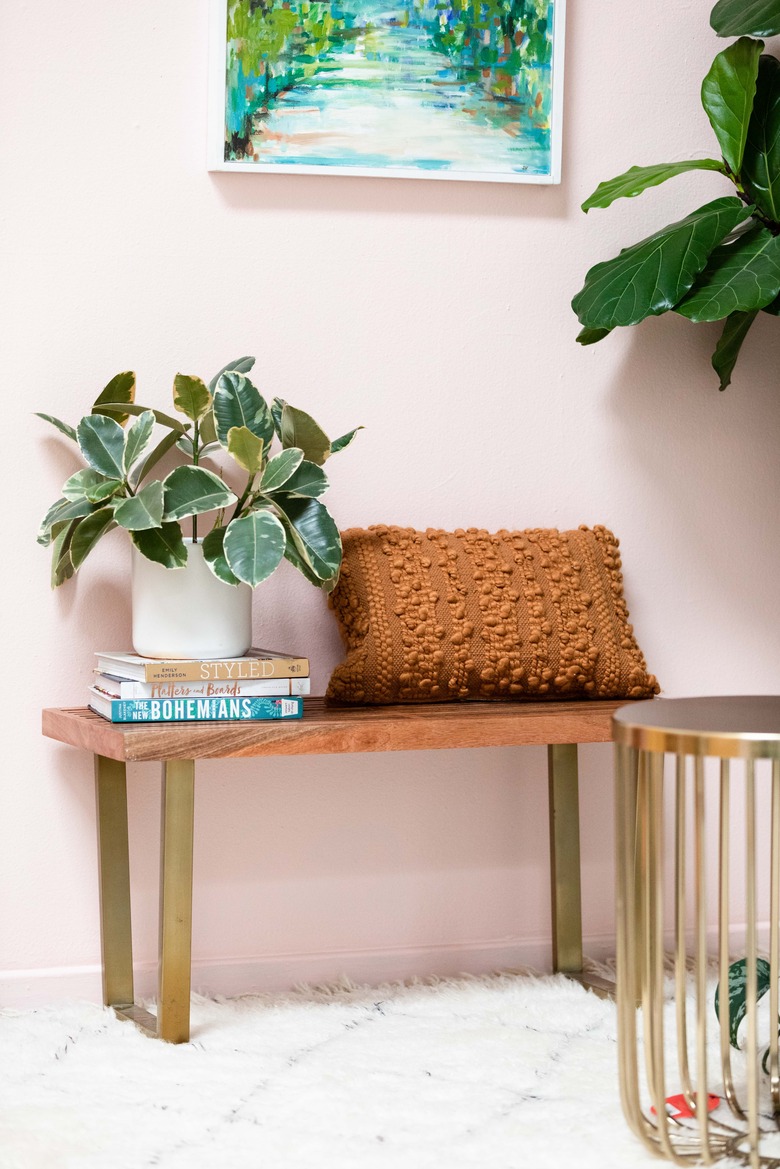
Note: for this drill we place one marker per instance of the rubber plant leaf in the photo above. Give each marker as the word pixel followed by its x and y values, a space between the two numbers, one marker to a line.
pixel 727 350
pixel 61 513
pixel 737 990
pixel 240 365
pixel 727 94
pixel 639 178
pixel 61 426
pixel 84 483
pixel 753 18
pixel 102 443
pixel 276 413
pixel 313 532
pixel 592 336
pixel 214 555
pixel 300 430
pixel 141 511
pixel 61 564
pixel 155 455
pixel 138 438
pixel 291 554
pixel 191 396
pixel 309 481
pixel 87 533
pixel 238 403
pixel 246 448
pixel 119 391
pixel 761 164
pixel 254 546
pixel 739 277
pixel 208 430
pixel 279 469
pixel 650 277
pixel 115 410
pixel 164 545
pixel 339 444
pixel 193 491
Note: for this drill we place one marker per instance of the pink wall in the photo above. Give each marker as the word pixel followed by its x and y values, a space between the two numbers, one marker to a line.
pixel 436 314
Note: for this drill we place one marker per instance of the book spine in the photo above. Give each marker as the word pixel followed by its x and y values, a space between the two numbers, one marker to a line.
pixel 239 670
pixel 120 688
pixel 203 709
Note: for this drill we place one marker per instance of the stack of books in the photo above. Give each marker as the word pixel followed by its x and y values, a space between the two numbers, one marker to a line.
pixel 260 685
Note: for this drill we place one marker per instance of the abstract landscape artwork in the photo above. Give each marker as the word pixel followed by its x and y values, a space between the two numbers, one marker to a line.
pixel 445 89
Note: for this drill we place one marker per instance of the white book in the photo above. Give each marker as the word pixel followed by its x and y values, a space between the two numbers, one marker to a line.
pixel 125 690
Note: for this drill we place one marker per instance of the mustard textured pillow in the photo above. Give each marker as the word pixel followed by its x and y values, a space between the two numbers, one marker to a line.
pixel 438 616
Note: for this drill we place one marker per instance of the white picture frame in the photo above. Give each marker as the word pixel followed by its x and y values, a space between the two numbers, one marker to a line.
pixel 330 107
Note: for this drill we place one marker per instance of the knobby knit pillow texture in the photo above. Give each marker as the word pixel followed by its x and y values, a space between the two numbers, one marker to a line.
pixel 440 616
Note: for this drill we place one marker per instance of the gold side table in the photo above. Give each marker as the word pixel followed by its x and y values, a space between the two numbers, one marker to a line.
pixel 665 884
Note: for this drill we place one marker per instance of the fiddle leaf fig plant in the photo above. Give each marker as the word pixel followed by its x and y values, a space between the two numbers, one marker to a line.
pixel 721 261
pixel 276 515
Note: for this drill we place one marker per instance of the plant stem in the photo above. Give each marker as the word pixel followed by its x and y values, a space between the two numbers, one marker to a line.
pixel 195 457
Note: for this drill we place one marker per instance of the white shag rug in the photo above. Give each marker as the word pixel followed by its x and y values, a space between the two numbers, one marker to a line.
pixel 506 1072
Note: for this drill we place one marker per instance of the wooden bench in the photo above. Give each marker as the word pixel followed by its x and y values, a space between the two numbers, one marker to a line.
pixel 322 731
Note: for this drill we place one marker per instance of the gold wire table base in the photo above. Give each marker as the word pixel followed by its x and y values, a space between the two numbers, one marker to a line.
pixel 671 1044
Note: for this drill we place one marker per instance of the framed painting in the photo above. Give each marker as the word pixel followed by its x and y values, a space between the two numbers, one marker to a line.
pixel 434 89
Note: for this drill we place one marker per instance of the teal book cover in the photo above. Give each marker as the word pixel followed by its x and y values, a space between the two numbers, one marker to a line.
pixel 196 709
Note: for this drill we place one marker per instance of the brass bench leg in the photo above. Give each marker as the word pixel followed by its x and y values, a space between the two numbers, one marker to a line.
pixel 176 836
pixel 565 857
pixel 114 878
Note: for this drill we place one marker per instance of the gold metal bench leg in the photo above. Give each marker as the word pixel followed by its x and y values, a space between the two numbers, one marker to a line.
pixel 176 837
pixel 114 878
pixel 565 857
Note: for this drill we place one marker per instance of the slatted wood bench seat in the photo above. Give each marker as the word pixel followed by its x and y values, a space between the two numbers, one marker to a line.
pixel 323 730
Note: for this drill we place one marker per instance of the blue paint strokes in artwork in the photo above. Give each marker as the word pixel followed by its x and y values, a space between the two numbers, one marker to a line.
pixel 412 88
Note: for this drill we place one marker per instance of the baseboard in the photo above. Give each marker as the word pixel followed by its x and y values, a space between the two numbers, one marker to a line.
pixel 233 976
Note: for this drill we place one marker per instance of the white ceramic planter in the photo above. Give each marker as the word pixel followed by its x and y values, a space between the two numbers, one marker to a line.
pixel 188 613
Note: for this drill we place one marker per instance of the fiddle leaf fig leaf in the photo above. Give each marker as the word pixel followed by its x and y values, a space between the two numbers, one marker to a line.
pixel 60 514
pixel 761 162
pixel 313 532
pixel 164 545
pixel 61 426
pixel 214 555
pixel 753 18
pixel 254 546
pixel 102 443
pixel 246 448
pixel 737 993
pixel 87 533
pixel 240 365
pixel 138 438
pixel 339 444
pixel 191 396
pixel 192 491
pixel 727 350
pixel 300 430
pixel 119 391
pixel 238 403
pixel 142 511
pixel 739 277
pixel 591 336
pixel 279 469
pixel 651 276
pixel 727 94
pixel 639 178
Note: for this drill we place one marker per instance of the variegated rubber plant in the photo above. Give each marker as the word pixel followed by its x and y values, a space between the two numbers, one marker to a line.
pixel 278 514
